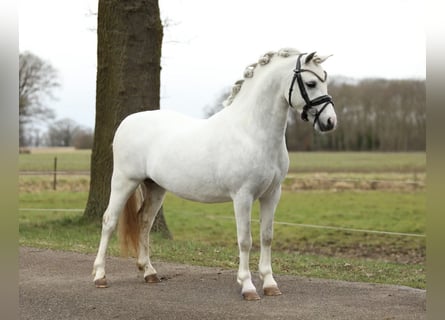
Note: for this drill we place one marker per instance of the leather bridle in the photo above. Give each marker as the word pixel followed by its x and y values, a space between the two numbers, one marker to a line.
pixel 326 99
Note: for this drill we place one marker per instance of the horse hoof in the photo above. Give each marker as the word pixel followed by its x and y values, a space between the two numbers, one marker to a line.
pixel 251 296
pixel 272 291
pixel 101 283
pixel 152 278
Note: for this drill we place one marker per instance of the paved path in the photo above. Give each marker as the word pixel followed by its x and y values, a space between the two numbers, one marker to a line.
pixel 58 285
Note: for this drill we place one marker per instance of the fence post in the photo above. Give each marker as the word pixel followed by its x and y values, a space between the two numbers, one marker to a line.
pixel 55 174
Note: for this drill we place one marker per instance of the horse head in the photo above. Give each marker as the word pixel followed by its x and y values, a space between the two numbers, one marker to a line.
pixel 311 93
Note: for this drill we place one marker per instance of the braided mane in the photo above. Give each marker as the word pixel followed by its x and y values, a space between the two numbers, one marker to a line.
pixel 250 70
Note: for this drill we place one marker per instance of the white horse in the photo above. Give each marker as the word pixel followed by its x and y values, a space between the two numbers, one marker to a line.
pixel 239 154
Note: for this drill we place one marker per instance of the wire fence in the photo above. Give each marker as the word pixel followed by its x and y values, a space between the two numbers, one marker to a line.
pixel 314 182
pixel 325 181
pixel 297 183
pixel 300 225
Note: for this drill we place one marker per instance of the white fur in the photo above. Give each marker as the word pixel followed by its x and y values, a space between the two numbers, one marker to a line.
pixel 238 155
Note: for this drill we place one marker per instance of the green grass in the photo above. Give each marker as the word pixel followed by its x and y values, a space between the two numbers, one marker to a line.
pixel 299 161
pixel 206 234
pixel 395 212
pixel 78 160
pixel 357 161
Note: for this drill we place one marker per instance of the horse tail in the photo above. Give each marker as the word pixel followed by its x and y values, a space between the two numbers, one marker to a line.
pixel 130 222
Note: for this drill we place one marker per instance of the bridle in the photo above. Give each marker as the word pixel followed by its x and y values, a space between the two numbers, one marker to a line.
pixel 326 99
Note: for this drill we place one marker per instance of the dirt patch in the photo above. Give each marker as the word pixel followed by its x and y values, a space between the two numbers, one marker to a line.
pixel 382 253
pixel 64 183
pixel 376 247
pixel 343 182
pixel 39 150
pixel 294 182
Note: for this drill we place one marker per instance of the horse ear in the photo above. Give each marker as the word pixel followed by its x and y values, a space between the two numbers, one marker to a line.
pixel 310 57
pixel 321 59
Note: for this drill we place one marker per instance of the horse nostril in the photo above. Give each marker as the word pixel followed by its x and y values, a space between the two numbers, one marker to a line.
pixel 330 123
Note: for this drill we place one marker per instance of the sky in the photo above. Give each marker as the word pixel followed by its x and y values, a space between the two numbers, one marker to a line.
pixel 207 44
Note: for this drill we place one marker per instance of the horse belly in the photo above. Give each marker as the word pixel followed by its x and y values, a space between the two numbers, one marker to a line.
pixel 192 182
pixel 208 176
pixel 202 196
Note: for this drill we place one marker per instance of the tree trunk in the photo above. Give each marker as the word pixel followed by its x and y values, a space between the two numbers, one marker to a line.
pixel 128 81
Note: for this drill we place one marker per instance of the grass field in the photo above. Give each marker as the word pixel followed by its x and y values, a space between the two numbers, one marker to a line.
pixel 206 234
pixel 299 161
pixel 357 162
pixel 43 160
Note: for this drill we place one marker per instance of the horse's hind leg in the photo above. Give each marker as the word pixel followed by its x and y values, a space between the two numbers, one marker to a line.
pixel 121 189
pixel 153 199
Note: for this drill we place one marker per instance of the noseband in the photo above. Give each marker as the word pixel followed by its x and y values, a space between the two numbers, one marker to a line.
pixel 326 99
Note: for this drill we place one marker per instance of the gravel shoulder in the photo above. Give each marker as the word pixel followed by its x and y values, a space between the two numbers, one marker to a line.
pixel 58 285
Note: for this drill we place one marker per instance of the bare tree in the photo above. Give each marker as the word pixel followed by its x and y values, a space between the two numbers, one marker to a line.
pixel 83 139
pixel 62 133
pixel 37 79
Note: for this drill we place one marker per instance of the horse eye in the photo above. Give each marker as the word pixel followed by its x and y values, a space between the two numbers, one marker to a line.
pixel 311 84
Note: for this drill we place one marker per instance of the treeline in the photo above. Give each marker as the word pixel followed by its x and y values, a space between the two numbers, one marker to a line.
pixel 37 80
pixel 61 133
pixel 373 115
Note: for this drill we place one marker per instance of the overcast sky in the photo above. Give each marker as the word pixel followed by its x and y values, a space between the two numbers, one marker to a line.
pixel 208 43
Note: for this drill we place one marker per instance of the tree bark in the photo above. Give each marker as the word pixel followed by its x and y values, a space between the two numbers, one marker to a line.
pixel 128 81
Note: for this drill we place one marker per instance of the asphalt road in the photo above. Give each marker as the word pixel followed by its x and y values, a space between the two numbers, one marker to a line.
pixel 58 285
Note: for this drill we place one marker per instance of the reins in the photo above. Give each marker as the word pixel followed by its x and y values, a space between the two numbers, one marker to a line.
pixel 326 99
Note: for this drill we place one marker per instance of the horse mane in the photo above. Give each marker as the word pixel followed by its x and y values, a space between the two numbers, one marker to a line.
pixel 250 70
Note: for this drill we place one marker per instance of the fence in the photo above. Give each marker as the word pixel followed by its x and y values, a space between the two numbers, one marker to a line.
pixel 314 183
pixel 54 173
pixel 300 225
pixel 374 183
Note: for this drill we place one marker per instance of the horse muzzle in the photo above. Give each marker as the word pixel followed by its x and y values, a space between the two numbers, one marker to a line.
pixel 326 123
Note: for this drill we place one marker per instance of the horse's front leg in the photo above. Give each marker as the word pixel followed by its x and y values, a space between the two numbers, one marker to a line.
pixel 268 204
pixel 243 207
